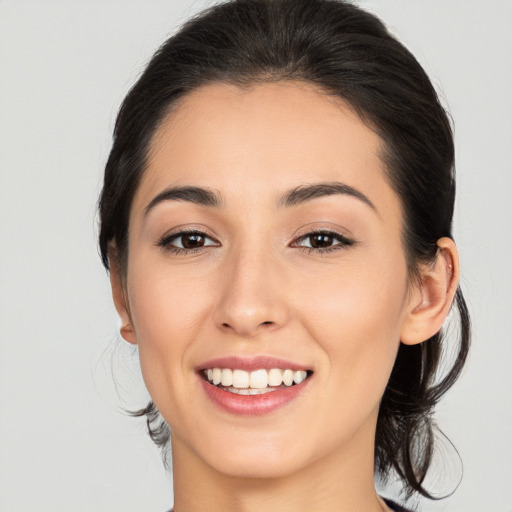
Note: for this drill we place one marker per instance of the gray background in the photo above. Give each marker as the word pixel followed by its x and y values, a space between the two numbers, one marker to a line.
pixel 64 68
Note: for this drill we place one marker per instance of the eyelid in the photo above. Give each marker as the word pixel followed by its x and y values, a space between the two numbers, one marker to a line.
pixel 187 229
pixel 322 227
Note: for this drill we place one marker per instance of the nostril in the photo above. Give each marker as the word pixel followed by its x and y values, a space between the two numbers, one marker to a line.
pixel 247 328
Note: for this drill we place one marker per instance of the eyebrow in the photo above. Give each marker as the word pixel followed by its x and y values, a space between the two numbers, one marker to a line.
pixel 304 193
pixel 294 197
pixel 196 195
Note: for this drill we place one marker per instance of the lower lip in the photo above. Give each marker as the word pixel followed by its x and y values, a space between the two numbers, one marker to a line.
pixel 252 405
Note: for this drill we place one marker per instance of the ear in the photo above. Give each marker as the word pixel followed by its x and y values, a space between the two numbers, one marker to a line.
pixel 120 297
pixel 431 298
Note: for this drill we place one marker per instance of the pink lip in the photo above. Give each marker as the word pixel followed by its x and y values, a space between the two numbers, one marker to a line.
pixel 252 405
pixel 250 364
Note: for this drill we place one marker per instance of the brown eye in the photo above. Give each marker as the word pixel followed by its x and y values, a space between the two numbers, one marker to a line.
pixel 321 240
pixel 192 241
pixel 187 241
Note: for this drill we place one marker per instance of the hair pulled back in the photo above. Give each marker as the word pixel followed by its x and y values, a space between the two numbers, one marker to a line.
pixel 347 53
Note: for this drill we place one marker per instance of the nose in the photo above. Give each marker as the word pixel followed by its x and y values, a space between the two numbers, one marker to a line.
pixel 251 299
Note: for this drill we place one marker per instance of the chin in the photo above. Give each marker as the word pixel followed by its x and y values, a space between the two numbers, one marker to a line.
pixel 258 468
pixel 256 458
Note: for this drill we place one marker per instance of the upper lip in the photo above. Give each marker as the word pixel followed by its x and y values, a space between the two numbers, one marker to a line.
pixel 251 363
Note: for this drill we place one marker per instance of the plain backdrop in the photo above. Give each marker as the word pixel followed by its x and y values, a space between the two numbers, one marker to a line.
pixel 65 65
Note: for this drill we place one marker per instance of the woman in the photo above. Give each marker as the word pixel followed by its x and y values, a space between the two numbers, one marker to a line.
pixel 276 218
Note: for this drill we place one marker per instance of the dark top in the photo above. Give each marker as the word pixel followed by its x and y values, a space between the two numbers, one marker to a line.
pixel 395 506
pixel 391 504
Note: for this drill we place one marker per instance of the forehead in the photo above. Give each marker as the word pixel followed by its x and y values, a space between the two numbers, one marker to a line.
pixel 262 139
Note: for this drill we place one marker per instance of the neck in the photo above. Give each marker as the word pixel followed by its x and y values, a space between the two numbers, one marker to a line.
pixel 341 480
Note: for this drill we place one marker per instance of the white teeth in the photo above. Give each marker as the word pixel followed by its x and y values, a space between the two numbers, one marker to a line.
pixel 216 376
pixel 288 377
pixel 258 379
pixel 299 376
pixel 253 383
pixel 240 379
pixel 227 377
pixel 275 377
pixel 250 391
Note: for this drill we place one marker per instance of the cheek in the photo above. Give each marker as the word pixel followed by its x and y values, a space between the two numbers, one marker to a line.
pixel 361 295
pixel 167 314
pixel 166 304
pixel 355 315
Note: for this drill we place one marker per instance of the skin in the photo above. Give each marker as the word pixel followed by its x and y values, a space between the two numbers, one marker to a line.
pixel 255 288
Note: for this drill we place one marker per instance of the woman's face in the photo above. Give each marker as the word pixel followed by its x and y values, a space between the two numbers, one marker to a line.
pixel 265 236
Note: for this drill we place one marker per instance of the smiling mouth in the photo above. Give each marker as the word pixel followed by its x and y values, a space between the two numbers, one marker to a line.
pixel 257 382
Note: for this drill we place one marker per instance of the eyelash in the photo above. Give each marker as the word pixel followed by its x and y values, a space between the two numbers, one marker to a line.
pixel 165 241
pixel 343 241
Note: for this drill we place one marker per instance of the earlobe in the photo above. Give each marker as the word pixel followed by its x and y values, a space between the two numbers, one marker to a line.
pixel 120 298
pixel 432 297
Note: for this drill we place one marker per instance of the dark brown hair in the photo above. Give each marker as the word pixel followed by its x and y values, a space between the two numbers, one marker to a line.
pixel 348 53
